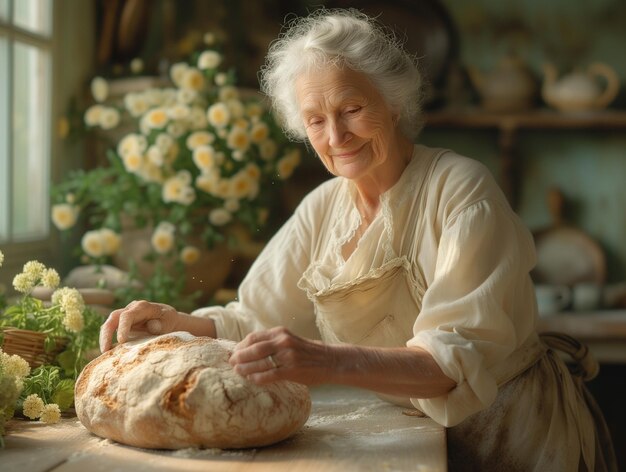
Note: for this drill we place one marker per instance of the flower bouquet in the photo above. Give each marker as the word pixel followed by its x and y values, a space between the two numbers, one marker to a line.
pixel 43 346
pixel 202 160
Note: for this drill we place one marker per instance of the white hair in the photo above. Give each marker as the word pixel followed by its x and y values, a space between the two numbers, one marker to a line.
pixel 347 38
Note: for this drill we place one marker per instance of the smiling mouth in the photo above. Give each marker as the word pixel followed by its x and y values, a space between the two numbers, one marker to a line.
pixel 345 154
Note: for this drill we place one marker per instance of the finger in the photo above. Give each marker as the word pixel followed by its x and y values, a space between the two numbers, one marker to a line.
pixel 107 329
pixel 252 339
pixel 257 351
pixel 253 367
pixel 154 327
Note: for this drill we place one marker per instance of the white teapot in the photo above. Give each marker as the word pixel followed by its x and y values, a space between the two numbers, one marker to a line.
pixel 578 90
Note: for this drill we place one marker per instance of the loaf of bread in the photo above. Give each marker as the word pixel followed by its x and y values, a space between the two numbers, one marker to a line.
pixel 177 391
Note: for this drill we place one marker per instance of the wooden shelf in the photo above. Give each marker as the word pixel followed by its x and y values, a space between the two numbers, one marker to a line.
pixel 540 118
pixel 508 124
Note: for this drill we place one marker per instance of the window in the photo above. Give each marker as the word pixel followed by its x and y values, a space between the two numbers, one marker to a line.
pixel 26 30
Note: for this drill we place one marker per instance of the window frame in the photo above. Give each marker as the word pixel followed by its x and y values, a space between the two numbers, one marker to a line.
pixel 45 248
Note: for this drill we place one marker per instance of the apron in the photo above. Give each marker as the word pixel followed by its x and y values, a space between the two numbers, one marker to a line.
pixel 368 311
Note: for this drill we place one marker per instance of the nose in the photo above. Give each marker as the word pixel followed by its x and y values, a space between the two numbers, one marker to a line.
pixel 338 133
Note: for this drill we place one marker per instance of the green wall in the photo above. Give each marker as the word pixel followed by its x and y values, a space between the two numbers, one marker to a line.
pixel 589 166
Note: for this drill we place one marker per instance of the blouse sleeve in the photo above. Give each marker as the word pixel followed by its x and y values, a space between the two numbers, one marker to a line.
pixel 478 306
pixel 268 295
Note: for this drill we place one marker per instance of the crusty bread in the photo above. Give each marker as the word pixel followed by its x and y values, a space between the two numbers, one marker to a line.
pixel 177 391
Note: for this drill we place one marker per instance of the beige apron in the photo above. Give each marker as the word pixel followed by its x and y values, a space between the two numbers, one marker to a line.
pixel 371 311
pixel 366 311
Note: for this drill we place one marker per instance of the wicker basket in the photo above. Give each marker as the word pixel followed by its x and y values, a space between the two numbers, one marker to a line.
pixel 30 346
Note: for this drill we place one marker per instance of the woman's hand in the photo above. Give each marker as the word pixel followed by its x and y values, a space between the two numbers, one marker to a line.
pixel 153 318
pixel 276 354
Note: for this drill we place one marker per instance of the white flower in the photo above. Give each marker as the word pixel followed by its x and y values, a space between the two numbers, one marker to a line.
pixel 93 244
pixel 199 138
pixel 186 96
pixel 221 79
pixel 177 71
pixel 259 132
pixel 92 115
pixel 162 240
pixel 192 79
pixel 220 217
pixel 178 189
pixel 218 115
pixel 51 413
pixel 178 112
pixel 136 104
pixel 136 65
pixel 208 182
pixel 101 242
pixel 72 304
pixel 228 92
pixel 111 241
pixel 242 185
pixel 238 139
pixel 109 118
pixel 99 89
pixel 189 255
pixel 50 278
pixel 164 142
pixel 204 157
pixel 64 215
pixel 1 258
pixel 33 406
pixel 133 162
pixel 287 164
pixel 155 155
pixel 156 118
pixel 14 365
pixel 34 269
pixel 197 118
pixel 166 226
pixel 131 144
pixel 23 283
pixel 209 60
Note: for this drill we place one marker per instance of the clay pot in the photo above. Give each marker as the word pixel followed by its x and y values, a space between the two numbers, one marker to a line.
pixel 580 90
pixel 509 87
pixel 206 275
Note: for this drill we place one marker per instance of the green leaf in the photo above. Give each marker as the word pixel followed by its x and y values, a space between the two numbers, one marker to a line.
pixel 64 394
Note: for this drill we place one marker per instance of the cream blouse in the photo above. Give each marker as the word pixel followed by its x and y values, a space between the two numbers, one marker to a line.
pixel 470 261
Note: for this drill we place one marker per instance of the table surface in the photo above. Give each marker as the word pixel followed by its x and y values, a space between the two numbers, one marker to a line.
pixel 348 430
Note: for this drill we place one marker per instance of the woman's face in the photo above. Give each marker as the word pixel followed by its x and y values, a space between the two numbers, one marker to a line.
pixel 347 121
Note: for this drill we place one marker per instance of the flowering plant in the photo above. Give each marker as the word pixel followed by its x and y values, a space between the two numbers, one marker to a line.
pixel 203 156
pixel 47 390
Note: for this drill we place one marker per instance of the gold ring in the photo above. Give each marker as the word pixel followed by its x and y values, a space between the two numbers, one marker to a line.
pixel 272 361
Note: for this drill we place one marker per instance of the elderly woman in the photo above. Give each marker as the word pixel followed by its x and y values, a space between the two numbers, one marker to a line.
pixel 406 274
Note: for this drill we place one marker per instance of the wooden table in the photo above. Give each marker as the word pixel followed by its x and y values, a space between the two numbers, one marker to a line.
pixel 348 430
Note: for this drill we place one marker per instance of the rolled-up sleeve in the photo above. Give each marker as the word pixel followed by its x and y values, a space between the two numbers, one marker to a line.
pixel 477 307
pixel 268 296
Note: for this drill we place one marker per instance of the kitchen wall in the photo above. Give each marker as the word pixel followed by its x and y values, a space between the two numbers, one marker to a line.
pixel 589 166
